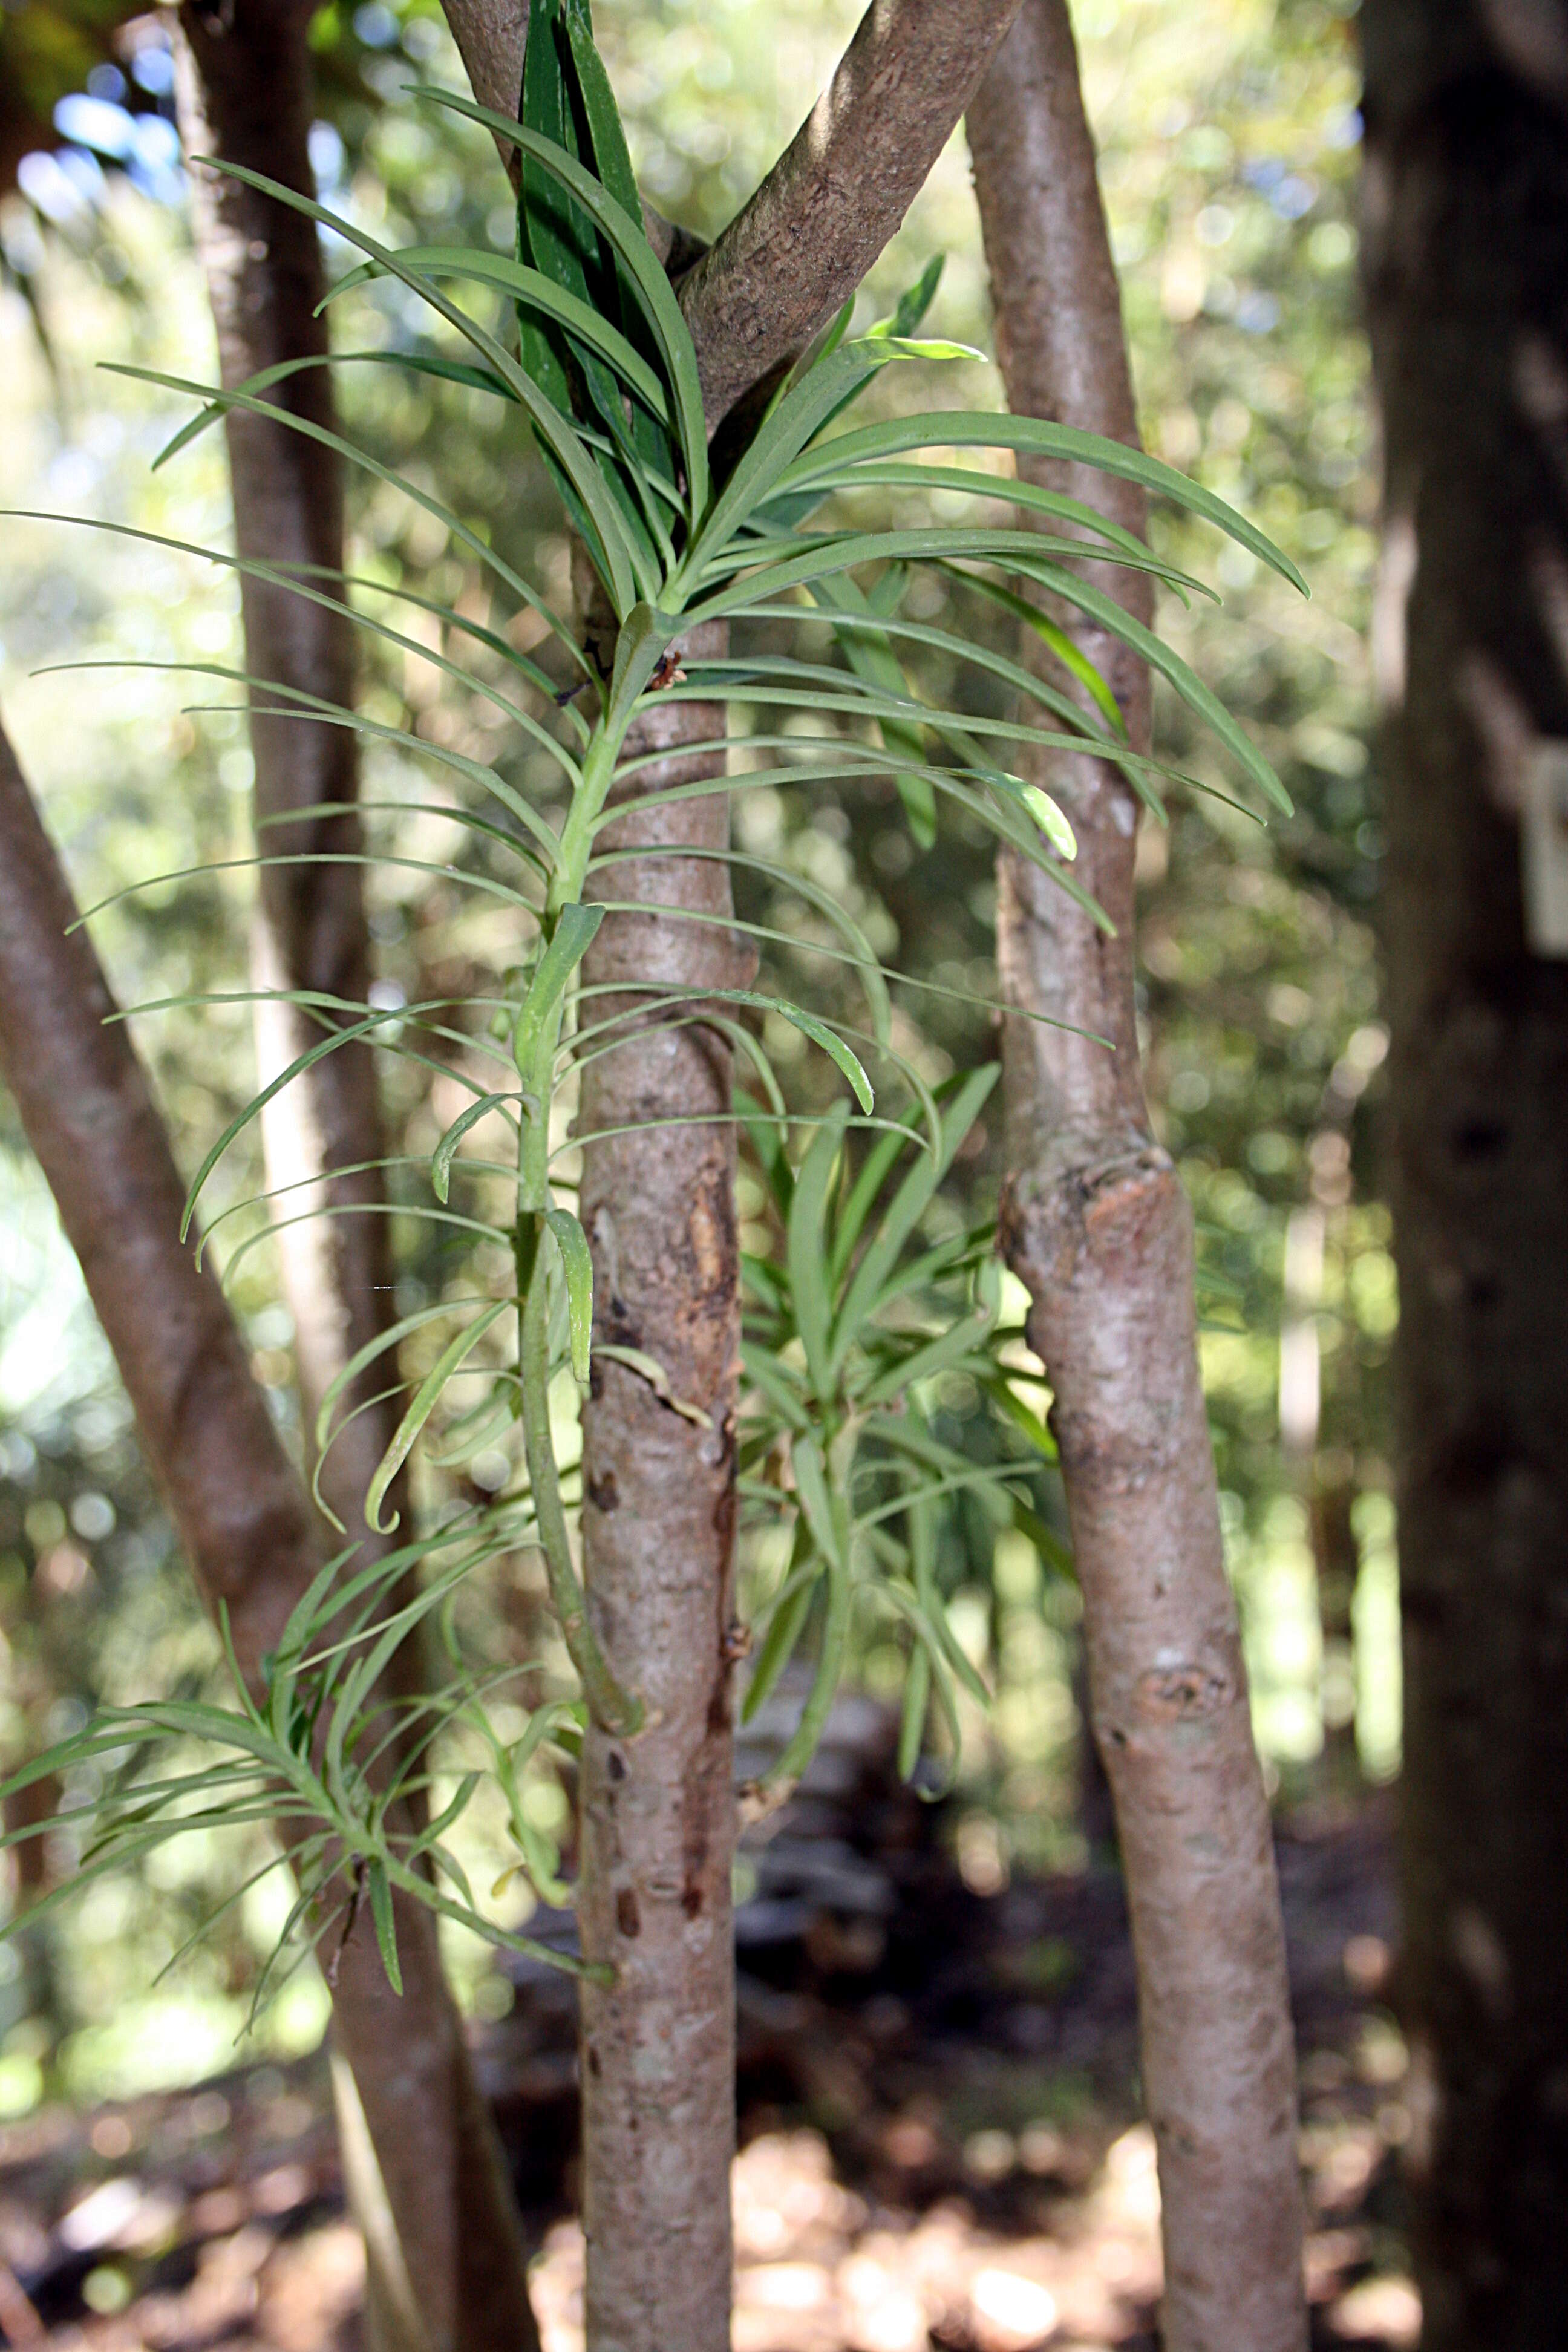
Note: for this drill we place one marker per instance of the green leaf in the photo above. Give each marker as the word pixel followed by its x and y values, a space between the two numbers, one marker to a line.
pixel 767 1373
pixel 536 1025
pixel 964 1099
pixel 912 1718
pixel 425 1400
pixel 386 1932
pixel 572 1244
pixel 811 1485
pixel 999 1389
pixel 654 295
pixel 1051 820
pixel 871 656
pixel 441 1158
pixel 909 311
pixel 489 559
pixel 531 291
pixel 419 363
pixel 1032 436
pixel 786 1621
pixel 1159 655
pixel 807 1245
pixel 778 441
pixel 1071 655
pixel 555 429
pixel 935 1356
pixel 874 1173
pixel 829 1668
pixel 913 302
pixel 1054 1554
pixel 832 1045
pixel 612 161
pixel 544 222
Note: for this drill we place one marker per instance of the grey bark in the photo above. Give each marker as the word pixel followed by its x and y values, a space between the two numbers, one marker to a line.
pixel 1096 1223
pixel 657 2049
pixel 439 2200
pixel 245 97
pixel 1466 265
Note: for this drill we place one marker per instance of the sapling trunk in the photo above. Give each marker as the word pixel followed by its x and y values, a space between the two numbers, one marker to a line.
pixel 656 2051
pixel 1097 1225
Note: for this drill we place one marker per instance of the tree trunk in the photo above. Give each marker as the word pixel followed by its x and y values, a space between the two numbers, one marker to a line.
pixel 445 2256
pixel 1097 1225
pixel 421 2138
pixel 245 97
pixel 657 2051
pixel 1466 282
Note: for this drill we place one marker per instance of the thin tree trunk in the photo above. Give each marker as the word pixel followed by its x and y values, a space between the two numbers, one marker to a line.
pixel 254 1544
pixel 657 2051
pixel 1097 1225
pixel 445 2257
pixel 1466 260
pixel 245 97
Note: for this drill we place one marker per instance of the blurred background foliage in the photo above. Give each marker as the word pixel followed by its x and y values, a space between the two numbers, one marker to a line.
pixel 1229 137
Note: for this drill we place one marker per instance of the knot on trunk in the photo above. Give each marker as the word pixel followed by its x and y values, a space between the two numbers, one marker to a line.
pixel 1077 1215
pixel 1184 1690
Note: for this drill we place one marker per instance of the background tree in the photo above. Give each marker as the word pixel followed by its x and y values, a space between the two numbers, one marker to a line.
pixel 1095 1221
pixel 1466 209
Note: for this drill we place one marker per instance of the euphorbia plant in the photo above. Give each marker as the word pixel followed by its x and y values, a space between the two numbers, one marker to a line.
pixel 606 374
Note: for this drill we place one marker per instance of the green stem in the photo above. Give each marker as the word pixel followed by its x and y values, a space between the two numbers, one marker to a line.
pixel 617 1711
pixel 587 802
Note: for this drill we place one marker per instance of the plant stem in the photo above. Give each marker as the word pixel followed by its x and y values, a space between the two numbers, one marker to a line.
pixel 618 1712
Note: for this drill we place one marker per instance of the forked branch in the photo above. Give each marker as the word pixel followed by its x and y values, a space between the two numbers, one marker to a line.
pixel 840 189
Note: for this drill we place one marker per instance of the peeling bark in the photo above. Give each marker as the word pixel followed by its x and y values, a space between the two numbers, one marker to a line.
pixel 1465 256
pixel 657 2051
pixel 1096 1223
pixel 245 97
pixel 254 1544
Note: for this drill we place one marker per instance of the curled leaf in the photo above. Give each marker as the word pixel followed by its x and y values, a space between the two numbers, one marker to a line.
pixel 1052 819
pixel 572 1244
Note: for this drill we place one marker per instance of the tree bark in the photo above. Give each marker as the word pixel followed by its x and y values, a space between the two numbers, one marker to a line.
pixel 447 2256
pixel 440 2206
pixel 657 2049
pixel 1096 1223
pixel 1466 261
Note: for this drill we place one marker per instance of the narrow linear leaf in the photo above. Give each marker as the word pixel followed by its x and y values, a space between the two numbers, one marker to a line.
pixel 807 1247
pixel 575 1257
pixel 426 1399
pixel 441 1158
pixel 385 1931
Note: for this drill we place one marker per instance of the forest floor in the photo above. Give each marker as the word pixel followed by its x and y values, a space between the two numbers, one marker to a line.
pixel 940 2141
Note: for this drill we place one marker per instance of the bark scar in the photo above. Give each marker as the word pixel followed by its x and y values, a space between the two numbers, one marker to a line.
pixel 1183 1691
